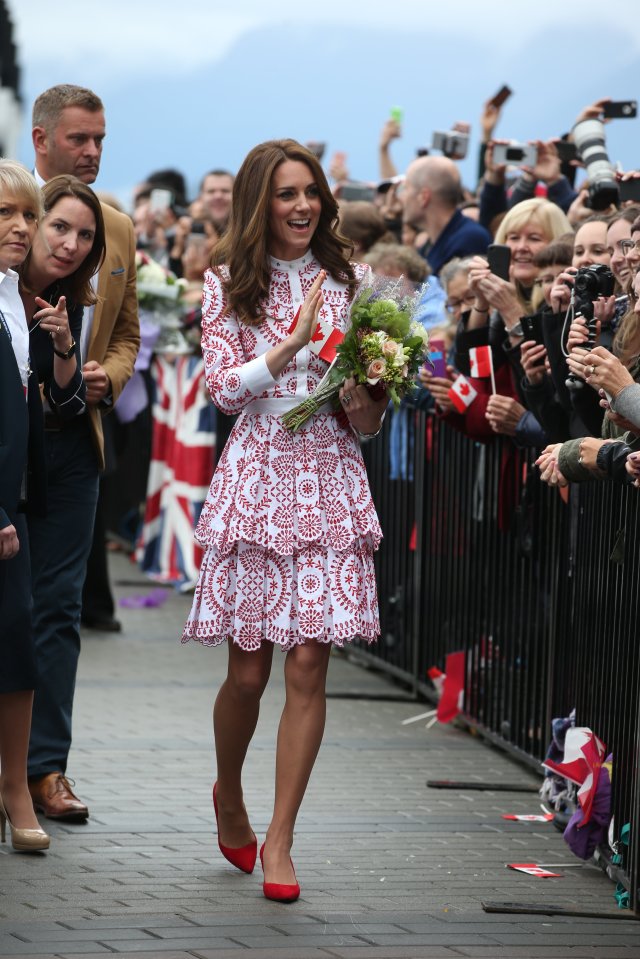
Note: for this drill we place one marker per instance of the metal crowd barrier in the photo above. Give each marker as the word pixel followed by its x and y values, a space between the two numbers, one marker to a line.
pixel 540 591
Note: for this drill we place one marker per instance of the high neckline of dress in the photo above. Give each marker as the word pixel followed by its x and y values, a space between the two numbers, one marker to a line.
pixel 302 261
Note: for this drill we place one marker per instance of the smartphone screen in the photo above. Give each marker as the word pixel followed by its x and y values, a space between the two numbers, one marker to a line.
pixel 438 358
pixel 503 94
pixel 160 200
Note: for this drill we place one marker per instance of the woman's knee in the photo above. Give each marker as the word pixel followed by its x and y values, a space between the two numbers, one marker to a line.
pixel 248 673
pixel 306 670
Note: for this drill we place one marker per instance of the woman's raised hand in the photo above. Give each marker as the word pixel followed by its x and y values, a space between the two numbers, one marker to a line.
pixel 55 321
pixel 310 311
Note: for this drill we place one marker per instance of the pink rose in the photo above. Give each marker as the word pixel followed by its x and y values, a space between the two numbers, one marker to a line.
pixel 375 370
pixel 390 348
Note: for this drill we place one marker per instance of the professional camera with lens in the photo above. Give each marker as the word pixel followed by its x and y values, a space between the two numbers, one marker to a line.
pixel 590 143
pixel 591 282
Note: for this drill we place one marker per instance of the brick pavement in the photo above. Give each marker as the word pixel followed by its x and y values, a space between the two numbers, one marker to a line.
pixel 389 869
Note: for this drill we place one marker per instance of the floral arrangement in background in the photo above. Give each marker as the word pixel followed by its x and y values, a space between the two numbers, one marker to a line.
pixel 383 348
pixel 160 303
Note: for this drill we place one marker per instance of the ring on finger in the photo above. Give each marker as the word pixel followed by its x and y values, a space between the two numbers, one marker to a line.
pixel 580 460
pixel 346 399
pixel 592 369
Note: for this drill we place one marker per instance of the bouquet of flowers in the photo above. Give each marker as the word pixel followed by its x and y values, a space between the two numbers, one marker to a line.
pixel 383 347
pixel 160 304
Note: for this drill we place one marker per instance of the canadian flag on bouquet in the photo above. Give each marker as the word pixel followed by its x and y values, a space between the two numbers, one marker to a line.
pixel 480 361
pixel 325 339
pixel 584 754
pixel 462 394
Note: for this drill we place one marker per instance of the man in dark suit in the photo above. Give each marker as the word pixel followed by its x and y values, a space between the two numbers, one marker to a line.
pixel 68 132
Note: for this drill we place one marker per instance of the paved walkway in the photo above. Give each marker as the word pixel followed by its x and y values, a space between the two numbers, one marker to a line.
pixel 389 869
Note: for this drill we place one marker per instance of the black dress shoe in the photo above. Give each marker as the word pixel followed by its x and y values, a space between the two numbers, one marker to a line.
pixel 104 624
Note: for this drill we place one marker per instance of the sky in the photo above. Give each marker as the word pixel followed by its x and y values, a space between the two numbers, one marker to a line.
pixel 196 85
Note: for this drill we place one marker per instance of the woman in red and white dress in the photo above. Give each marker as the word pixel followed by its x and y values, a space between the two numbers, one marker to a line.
pixel 289 527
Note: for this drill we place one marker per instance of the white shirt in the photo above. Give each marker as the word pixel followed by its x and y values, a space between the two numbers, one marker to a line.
pixel 16 321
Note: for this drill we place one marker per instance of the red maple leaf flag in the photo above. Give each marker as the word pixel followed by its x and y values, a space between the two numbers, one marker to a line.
pixel 325 339
pixel 480 361
pixel 583 757
pixel 450 702
pixel 462 394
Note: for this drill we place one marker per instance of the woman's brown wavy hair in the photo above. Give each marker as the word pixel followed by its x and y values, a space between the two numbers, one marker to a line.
pixel 76 287
pixel 244 248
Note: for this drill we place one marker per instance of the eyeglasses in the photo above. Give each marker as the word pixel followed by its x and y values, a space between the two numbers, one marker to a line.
pixel 628 246
pixel 467 300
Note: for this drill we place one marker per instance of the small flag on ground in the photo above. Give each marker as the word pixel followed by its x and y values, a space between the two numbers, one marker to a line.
pixel 531 869
pixel 480 361
pixel 462 394
pixel 535 817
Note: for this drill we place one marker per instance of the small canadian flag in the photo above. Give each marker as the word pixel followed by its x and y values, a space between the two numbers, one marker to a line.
pixel 462 394
pixel 325 339
pixel 480 361
pixel 532 869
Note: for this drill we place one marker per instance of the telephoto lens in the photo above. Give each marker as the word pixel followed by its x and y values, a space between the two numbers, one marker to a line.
pixel 590 143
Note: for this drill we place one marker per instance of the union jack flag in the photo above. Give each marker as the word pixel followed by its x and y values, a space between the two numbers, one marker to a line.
pixel 182 458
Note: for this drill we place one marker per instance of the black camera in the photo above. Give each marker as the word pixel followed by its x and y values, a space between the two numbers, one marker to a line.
pixel 591 282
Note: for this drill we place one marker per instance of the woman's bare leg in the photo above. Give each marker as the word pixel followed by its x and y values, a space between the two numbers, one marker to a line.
pixel 235 716
pixel 299 737
pixel 15 725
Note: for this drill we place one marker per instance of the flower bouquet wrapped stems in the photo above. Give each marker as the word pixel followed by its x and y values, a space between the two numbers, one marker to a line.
pixel 160 296
pixel 383 348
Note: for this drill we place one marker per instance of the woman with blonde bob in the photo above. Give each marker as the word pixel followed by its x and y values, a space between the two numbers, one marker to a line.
pixel 526 229
pixel 20 429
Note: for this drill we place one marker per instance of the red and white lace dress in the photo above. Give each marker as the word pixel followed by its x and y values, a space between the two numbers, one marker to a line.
pixel 289 527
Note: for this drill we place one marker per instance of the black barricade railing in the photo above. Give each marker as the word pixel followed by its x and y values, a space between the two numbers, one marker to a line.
pixel 537 588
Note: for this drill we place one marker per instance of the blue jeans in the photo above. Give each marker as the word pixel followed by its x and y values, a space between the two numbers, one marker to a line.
pixel 60 545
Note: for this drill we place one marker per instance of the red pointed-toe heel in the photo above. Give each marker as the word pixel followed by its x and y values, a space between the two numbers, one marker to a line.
pixel 242 857
pixel 279 891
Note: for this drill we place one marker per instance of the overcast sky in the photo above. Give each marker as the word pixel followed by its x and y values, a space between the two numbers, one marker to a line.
pixel 127 49
pixel 140 37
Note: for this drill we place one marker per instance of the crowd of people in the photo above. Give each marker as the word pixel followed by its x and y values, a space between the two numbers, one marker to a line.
pixel 531 286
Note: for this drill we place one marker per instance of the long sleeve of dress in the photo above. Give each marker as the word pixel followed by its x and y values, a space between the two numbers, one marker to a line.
pixel 232 380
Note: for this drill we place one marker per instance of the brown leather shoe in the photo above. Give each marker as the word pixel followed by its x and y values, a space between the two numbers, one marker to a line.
pixel 52 795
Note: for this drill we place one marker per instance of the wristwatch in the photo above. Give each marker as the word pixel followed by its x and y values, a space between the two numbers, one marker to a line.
pixel 69 352
pixel 516 330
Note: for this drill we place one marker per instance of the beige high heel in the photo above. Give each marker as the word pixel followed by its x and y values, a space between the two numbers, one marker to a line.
pixel 22 840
